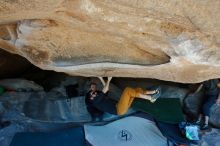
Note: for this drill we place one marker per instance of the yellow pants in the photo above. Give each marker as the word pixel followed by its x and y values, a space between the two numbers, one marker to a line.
pixel 127 98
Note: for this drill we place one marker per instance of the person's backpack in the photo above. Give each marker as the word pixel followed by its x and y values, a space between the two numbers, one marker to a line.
pixel 189 130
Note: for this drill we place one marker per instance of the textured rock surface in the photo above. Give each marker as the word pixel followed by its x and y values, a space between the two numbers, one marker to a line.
pixel 168 40
pixel 210 138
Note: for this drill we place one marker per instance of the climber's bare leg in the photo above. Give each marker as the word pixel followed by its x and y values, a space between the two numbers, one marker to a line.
pixel 143 96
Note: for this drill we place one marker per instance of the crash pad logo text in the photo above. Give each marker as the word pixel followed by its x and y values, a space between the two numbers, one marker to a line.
pixel 124 135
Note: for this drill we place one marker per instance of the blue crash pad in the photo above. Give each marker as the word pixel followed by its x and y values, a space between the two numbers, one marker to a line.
pixel 69 137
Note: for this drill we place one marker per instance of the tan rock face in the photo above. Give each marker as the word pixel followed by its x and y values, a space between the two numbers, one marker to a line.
pixel 169 40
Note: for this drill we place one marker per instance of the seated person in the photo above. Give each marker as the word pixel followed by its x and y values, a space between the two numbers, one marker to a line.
pixel 101 101
pixel 211 97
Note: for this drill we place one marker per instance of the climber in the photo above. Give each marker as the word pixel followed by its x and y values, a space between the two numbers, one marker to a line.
pixel 94 112
pixel 211 93
pixel 101 101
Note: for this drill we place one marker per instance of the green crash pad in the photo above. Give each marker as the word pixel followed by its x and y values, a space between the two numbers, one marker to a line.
pixel 164 109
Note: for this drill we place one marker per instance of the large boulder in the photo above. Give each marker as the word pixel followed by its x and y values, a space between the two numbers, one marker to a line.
pixel 193 104
pixel 53 107
pixel 168 40
pixel 215 115
pixel 20 85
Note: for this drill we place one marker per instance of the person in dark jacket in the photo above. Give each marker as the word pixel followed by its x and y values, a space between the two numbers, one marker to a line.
pixel 211 97
pixel 94 112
